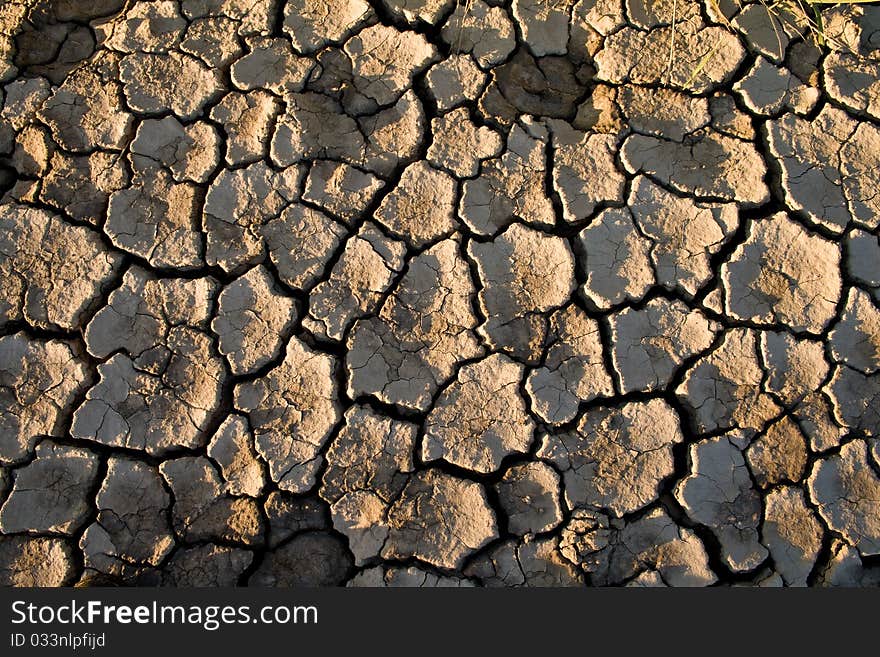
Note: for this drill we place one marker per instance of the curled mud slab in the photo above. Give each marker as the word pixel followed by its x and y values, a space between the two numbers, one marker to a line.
pixel 438 293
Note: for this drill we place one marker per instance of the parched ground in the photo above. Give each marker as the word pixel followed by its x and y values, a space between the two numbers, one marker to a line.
pixel 438 293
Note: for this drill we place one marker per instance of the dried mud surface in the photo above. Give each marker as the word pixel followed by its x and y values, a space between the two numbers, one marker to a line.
pixel 438 293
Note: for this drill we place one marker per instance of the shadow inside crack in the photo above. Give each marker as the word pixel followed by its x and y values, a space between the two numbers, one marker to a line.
pixel 55 36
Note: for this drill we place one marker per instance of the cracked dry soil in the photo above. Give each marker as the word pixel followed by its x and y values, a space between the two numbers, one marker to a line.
pixel 438 293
